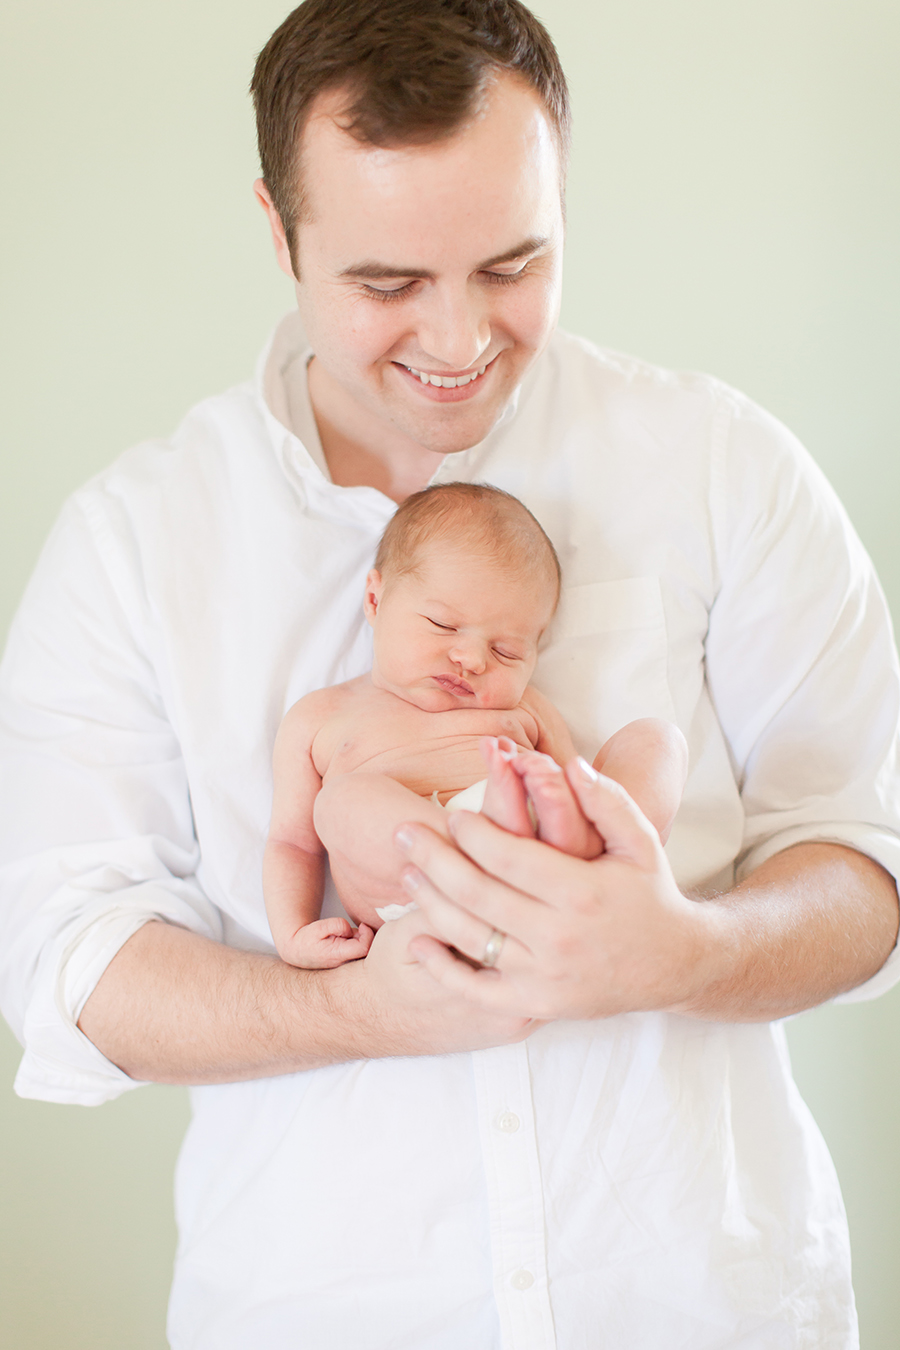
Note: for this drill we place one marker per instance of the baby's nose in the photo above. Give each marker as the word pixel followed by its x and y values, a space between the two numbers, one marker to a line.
pixel 469 656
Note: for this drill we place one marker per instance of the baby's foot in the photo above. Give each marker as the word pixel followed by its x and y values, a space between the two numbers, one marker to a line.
pixel 558 815
pixel 505 799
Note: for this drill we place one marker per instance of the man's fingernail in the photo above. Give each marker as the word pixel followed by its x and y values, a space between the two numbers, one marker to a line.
pixel 586 772
pixel 411 879
pixel 404 837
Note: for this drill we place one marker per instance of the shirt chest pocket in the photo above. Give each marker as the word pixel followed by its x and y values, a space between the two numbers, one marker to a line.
pixel 605 658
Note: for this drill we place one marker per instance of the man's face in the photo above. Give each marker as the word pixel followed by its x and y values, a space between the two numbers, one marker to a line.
pixel 430 275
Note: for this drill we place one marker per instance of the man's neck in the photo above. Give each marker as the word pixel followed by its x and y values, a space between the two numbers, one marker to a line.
pixel 357 454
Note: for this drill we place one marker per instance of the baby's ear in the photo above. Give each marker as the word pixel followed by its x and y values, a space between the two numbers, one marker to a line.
pixel 372 599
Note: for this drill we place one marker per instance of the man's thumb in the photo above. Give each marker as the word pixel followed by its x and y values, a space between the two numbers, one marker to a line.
pixel 620 822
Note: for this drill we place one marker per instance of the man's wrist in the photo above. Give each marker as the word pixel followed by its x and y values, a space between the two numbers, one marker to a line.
pixel 812 922
pixel 715 969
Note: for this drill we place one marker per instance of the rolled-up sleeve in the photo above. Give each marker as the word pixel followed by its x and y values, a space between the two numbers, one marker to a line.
pixel 98 834
pixel 801 662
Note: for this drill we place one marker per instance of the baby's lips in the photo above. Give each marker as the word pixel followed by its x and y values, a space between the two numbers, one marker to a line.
pixel 454 684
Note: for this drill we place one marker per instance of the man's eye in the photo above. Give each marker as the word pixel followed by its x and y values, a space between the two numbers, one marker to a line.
pixel 398 293
pixel 506 278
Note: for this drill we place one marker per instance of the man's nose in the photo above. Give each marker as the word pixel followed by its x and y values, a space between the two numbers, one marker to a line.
pixel 455 329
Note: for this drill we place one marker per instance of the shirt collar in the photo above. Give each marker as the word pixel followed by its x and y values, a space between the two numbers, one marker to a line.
pixel 283 391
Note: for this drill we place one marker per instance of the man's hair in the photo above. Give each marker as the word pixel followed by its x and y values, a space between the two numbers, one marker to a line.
pixel 485 521
pixel 415 71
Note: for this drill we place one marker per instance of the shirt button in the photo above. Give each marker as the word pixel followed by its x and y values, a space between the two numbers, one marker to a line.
pixel 523 1279
pixel 508 1122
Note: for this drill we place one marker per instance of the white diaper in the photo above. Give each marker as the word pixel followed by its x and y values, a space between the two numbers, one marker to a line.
pixel 388 912
pixel 470 799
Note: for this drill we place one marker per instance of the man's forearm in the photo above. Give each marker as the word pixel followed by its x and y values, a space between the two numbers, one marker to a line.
pixel 173 1007
pixel 812 922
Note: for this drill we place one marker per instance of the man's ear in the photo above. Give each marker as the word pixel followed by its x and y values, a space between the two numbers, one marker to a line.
pixel 279 238
pixel 374 590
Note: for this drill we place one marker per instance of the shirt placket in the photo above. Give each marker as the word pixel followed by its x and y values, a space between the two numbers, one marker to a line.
pixel 515 1198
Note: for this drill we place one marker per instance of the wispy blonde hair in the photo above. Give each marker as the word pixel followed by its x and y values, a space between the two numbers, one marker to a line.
pixel 481 519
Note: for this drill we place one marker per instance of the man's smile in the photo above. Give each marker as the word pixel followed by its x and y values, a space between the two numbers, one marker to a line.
pixel 446 388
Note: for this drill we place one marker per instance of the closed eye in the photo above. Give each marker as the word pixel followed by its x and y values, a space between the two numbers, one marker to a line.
pixel 444 627
pixel 397 293
pixel 507 656
pixel 505 278
pixel 387 294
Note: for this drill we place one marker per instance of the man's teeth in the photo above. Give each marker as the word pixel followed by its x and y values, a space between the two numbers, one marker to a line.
pixel 446 381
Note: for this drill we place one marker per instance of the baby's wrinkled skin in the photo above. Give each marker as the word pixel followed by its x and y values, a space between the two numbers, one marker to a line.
pixel 447 700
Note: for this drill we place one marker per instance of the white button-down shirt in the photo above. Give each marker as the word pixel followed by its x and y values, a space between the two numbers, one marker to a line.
pixel 643 1181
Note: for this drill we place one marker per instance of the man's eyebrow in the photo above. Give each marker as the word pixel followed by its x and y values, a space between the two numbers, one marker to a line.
pixel 376 271
pixel 528 246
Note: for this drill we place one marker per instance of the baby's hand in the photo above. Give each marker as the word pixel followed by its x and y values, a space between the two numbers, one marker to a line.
pixel 326 943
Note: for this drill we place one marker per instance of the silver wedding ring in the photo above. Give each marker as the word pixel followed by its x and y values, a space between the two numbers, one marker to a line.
pixel 492 950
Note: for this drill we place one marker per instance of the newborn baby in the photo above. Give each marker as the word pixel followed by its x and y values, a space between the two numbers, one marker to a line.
pixel 464 584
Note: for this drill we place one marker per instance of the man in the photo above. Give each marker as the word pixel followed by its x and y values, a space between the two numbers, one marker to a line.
pixel 639 1170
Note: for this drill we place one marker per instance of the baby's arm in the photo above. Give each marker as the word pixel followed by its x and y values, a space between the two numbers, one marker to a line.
pixel 294 858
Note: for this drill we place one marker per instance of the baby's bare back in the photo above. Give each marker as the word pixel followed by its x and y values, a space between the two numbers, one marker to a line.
pixel 372 731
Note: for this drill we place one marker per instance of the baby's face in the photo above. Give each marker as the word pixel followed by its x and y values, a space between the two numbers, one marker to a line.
pixel 461 632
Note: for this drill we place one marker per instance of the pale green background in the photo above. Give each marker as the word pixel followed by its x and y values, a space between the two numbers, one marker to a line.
pixel 733 206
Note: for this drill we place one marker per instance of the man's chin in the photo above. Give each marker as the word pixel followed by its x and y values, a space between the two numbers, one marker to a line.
pixel 454 437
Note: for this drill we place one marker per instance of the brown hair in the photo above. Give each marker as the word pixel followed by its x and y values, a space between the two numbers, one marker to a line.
pixel 484 519
pixel 415 71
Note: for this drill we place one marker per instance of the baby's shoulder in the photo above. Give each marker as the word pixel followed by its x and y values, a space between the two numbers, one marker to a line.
pixel 313 710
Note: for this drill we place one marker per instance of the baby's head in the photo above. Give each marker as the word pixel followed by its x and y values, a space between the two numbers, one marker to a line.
pixel 465 582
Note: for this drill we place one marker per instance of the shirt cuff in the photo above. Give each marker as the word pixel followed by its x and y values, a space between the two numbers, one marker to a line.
pixel 60 1064
pixel 880 845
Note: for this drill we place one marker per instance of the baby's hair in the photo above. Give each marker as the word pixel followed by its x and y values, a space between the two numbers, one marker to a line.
pixel 484 519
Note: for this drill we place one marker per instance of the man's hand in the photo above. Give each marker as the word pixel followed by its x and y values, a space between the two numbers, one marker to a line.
pixel 412 1013
pixel 583 939
pixel 590 939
